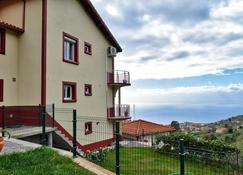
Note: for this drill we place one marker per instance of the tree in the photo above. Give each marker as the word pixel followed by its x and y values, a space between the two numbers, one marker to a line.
pixel 176 125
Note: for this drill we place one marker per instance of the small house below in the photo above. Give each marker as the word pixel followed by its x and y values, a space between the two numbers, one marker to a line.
pixel 144 131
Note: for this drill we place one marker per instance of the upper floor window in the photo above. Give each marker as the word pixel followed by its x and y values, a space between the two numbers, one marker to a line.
pixel 2 41
pixel 87 48
pixel 69 92
pixel 70 49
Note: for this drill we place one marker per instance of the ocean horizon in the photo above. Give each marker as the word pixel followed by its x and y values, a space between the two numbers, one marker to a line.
pixel 164 114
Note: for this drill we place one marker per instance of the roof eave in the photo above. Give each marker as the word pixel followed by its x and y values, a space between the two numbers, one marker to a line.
pixel 11 27
pixel 90 9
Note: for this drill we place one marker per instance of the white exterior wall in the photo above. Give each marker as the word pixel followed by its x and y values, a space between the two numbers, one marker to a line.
pixel 9 70
pixel 12 12
pixel 29 89
pixel 70 17
pixel 22 60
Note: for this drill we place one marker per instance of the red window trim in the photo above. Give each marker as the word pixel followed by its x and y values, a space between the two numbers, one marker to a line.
pixel 76 60
pixel 1 90
pixel 89 45
pixel 3 41
pixel 91 90
pixel 90 126
pixel 74 85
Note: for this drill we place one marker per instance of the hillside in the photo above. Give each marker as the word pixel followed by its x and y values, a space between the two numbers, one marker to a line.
pixel 229 130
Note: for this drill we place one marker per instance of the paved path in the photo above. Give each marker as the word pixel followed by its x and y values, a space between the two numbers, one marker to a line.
pixel 26 131
pixel 87 164
pixel 14 145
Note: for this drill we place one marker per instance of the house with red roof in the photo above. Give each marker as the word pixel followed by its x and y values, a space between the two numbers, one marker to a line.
pixel 144 131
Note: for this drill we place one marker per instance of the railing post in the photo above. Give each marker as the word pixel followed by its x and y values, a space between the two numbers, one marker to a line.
pixel 43 136
pixel 3 120
pixel 74 133
pixel 40 114
pixel 53 115
pixel 182 157
pixel 117 148
pixel 40 117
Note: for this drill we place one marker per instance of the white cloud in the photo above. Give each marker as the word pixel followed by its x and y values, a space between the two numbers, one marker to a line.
pixel 230 9
pixel 113 11
pixel 200 95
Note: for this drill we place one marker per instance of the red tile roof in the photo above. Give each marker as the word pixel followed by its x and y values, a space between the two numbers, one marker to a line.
pixel 90 9
pixel 142 127
pixel 11 27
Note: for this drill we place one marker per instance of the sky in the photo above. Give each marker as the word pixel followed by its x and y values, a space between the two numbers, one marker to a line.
pixel 185 56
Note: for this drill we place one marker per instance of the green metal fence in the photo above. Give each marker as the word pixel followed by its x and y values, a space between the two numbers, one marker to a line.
pixel 143 156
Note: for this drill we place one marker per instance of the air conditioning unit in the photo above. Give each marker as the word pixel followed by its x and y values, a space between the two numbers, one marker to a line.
pixel 111 51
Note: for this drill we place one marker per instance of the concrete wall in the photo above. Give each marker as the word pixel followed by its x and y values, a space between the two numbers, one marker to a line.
pixel 70 17
pixel 12 12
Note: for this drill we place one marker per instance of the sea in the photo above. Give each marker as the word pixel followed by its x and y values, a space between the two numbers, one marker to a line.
pixel 165 114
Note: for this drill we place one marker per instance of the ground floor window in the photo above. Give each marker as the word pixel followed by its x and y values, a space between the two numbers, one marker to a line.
pixel 88 128
pixel 69 92
pixel 88 90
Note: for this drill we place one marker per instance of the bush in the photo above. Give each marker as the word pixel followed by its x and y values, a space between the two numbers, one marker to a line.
pixel 196 146
pixel 98 156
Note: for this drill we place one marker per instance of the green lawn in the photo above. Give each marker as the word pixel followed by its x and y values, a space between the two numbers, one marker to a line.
pixel 42 161
pixel 146 161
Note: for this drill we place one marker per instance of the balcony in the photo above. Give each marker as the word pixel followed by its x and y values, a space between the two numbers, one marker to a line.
pixel 121 112
pixel 119 78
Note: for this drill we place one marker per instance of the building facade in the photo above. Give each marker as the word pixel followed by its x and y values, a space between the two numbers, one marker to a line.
pixel 57 52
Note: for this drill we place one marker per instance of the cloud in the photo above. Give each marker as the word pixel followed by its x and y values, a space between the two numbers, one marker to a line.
pixel 191 95
pixel 113 11
pixel 176 38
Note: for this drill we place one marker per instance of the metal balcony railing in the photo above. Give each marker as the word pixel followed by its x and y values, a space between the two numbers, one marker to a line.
pixel 122 111
pixel 119 77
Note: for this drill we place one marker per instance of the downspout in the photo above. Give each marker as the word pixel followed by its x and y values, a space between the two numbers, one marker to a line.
pixel 43 52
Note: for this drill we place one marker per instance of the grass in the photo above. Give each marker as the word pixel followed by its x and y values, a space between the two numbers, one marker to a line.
pixel 146 161
pixel 41 161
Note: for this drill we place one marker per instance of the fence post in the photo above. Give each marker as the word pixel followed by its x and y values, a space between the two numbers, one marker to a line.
pixel 74 133
pixel 3 120
pixel 53 115
pixel 43 124
pixel 182 157
pixel 117 148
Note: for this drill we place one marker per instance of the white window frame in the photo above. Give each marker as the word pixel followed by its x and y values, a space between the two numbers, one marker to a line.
pixel 69 49
pixel 65 95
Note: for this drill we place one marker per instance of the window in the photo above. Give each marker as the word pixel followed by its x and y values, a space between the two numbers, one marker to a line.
pixel 87 48
pixel 88 90
pixel 70 49
pixel 2 41
pixel 69 92
pixel 88 128
pixel 1 90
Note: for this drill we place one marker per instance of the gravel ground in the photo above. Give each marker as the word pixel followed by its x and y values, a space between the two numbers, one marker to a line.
pixel 14 145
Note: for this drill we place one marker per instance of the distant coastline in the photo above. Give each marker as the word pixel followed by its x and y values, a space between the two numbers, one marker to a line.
pixel 195 113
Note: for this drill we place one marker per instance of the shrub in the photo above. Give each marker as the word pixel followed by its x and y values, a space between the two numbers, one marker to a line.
pixel 196 146
pixel 98 156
